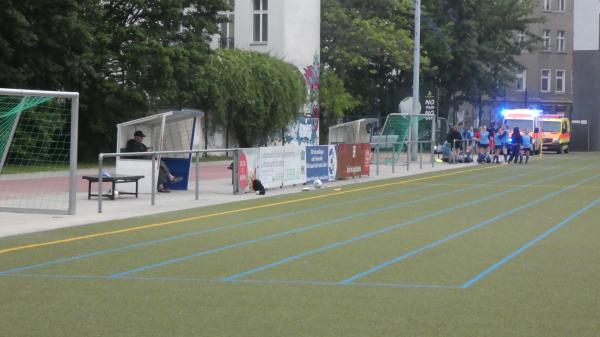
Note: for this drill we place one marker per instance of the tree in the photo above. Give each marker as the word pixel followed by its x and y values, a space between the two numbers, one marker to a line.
pixel 124 57
pixel 368 45
pixel 335 101
pixel 472 46
pixel 251 93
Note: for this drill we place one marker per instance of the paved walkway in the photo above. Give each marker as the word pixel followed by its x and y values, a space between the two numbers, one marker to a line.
pixel 214 189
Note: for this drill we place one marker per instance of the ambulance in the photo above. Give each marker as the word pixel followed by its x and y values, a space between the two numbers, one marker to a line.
pixel 524 119
pixel 556 133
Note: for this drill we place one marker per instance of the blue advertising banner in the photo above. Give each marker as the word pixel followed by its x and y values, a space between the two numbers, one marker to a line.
pixel 317 163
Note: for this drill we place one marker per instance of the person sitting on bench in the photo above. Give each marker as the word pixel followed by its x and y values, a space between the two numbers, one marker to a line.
pixel 164 174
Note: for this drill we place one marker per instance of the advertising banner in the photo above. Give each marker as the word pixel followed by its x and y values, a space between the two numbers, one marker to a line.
pixel 353 160
pixel 333 163
pixel 247 169
pixel 318 163
pixel 282 166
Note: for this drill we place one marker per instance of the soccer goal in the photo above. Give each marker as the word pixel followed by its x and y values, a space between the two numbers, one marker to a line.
pixel 38 151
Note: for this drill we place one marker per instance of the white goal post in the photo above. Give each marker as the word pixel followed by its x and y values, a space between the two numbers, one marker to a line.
pixel 39 183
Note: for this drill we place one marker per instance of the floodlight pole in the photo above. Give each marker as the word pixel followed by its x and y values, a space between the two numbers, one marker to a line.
pixel 414 124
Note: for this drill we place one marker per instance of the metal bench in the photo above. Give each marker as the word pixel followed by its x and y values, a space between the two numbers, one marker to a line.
pixel 117 179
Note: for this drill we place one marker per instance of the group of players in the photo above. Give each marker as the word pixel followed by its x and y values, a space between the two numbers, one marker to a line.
pixel 492 141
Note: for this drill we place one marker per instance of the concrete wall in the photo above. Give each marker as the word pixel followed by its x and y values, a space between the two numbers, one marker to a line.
pixel 587 25
pixel 294 30
pixel 586 64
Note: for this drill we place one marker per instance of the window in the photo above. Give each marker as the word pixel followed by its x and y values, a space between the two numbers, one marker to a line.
pixel 546 40
pixel 545 80
pixel 561 5
pixel 560 81
pixel 547 5
pixel 260 20
pixel 226 28
pixel 560 41
pixel 521 82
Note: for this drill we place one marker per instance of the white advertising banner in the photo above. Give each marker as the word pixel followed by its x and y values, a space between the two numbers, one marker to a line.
pixel 282 166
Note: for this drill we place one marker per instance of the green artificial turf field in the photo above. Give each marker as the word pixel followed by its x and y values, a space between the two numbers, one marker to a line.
pixel 489 251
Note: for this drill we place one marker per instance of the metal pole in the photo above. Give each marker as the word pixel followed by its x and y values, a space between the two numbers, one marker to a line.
pixel 73 155
pixel 421 155
pixel 414 129
pixel 100 158
pixel 394 158
pixel 236 179
pixel 153 186
pixel 377 153
pixel 433 135
pixel 408 146
pixel 197 175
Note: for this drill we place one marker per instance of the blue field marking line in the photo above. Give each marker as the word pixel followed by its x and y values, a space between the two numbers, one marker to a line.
pixel 462 232
pixel 390 228
pixel 217 229
pixel 301 229
pixel 530 244
pixel 220 281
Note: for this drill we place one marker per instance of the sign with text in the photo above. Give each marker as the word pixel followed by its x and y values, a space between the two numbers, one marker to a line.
pixel 353 160
pixel 318 163
pixel 430 105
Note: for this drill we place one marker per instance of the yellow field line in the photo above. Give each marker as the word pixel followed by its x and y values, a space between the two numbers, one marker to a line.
pixel 211 215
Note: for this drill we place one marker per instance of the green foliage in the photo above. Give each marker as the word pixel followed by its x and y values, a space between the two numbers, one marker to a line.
pixel 472 45
pixel 124 57
pixel 368 45
pixel 335 101
pixel 251 93
pixel 467 48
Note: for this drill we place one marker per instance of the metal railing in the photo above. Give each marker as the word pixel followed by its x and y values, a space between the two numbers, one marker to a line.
pixel 153 156
pixel 395 160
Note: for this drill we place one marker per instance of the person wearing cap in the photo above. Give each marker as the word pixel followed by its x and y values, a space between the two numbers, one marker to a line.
pixel 136 144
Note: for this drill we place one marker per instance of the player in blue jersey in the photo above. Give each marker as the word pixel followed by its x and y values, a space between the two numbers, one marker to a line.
pixel 526 141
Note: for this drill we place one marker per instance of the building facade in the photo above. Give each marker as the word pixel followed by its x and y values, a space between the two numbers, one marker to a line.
pixel 545 79
pixel 586 64
pixel 286 29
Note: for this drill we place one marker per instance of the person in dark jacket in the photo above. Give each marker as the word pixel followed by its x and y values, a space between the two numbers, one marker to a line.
pixel 515 145
pixel 454 140
pixel 164 174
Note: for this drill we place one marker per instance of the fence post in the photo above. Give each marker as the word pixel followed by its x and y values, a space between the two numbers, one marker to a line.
pixel 408 148
pixel 393 158
pixel 100 159
pixel 153 183
pixel 377 156
pixel 235 174
pixel 421 155
pixel 197 175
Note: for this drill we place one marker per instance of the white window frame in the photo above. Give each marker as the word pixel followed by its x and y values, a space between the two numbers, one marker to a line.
pixel 560 41
pixel 562 78
pixel 547 5
pixel 548 79
pixel 521 38
pixel 263 22
pixel 547 40
pixel 561 5
pixel 522 76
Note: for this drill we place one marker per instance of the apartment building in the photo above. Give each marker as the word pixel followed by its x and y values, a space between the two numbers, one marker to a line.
pixel 545 78
pixel 586 64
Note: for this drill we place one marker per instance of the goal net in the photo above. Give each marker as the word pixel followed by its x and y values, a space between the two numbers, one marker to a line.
pixel 391 142
pixel 38 151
